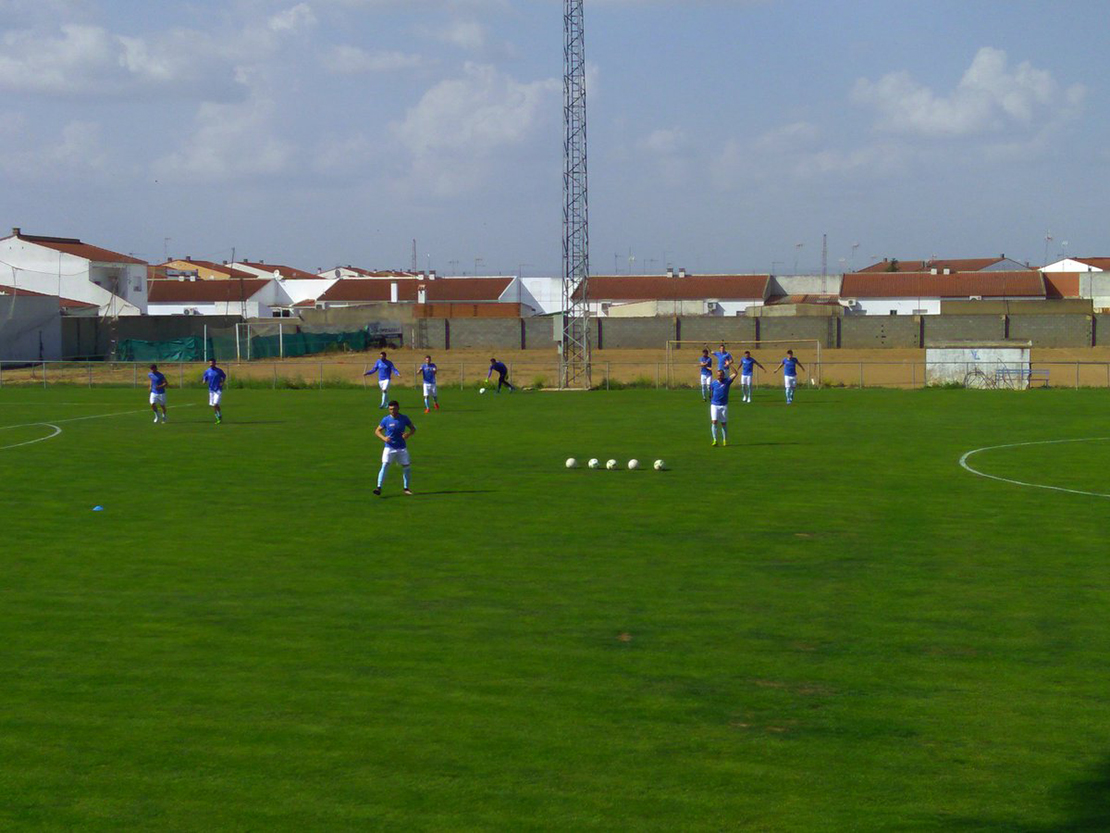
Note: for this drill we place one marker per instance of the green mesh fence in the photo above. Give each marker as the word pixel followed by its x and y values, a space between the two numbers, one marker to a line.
pixel 187 349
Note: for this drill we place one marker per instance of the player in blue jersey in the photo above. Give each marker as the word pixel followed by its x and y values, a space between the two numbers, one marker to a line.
pixel 428 372
pixel 502 375
pixel 214 378
pixel 718 405
pixel 747 363
pixel 385 370
pixel 724 359
pixel 705 365
pixel 394 430
pixel 789 367
pixel 157 393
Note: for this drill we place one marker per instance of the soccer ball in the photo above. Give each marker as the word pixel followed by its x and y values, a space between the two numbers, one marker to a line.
pixel 633 465
pixel 660 465
pixel 594 463
pixel 481 390
pixel 572 463
pixel 611 465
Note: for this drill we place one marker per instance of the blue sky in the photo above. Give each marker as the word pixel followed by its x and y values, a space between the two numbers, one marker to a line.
pixel 722 134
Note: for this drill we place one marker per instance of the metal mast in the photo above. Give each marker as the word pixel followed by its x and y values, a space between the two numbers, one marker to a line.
pixel 575 370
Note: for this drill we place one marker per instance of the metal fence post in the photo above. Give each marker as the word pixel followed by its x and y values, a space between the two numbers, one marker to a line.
pixel 657 375
pixel 913 375
pixel 180 375
pixel 607 374
pixel 275 376
pixel 44 375
pixel 134 375
pixel 2 373
pixel 861 375
pixel 321 376
pixel 1077 375
pixel 89 365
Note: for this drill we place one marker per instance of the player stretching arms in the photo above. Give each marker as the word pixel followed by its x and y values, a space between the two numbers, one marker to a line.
pixel 724 359
pixel 428 371
pixel 706 364
pixel 385 370
pixel 789 367
pixel 214 377
pixel 157 392
pixel 718 405
pixel 502 375
pixel 746 363
pixel 393 430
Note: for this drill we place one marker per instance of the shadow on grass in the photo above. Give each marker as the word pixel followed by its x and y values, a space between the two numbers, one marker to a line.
pixel 443 492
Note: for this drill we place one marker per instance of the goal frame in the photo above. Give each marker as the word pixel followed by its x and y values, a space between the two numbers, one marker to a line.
pixel 738 346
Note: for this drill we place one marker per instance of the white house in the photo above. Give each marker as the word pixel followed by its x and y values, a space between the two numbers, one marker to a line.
pixel 678 293
pixel 345 272
pixel 68 268
pixel 250 298
pixel 920 293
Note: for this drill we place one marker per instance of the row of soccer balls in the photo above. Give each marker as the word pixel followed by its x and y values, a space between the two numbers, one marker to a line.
pixel 613 465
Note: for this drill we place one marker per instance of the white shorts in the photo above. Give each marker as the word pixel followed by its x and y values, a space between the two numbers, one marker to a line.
pixel 430 389
pixel 789 382
pixel 158 399
pixel 214 397
pixel 746 380
pixel 384 384
pixel 706 381
pixel 395 455
pixel 718 413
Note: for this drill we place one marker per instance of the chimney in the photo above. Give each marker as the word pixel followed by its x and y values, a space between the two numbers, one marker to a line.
pixel 393 292
pixel 189 258
pixel 682 272
pixel 947 271
pixel 933 270
pixel 15 231
pixel 432 275
pixel 670 271
pixel 421 294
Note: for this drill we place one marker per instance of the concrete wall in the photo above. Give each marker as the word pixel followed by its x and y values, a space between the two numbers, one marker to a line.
pixel 791 329
pixel 635 333
pixel 880 331
pixel 713 331
pixel 30 328
pixel 939 328
pixel 494 333
pixel 805 284
pixel 540 333
pixel 1052 330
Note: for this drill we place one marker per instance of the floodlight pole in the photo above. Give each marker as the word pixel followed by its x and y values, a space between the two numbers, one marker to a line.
pixel 574 347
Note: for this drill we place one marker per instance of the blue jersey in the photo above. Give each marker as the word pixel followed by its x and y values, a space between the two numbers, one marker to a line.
pixel 499 367
pixel 723 358
pixel 705 362
pixel 746 365
pixel 157 382
pixel 394 429
pixel 429 373
pixel 719 392
pixel 215 379
pixel 790 367
pixel 384 368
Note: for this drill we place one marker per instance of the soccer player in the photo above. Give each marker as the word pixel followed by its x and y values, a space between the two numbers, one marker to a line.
pixel 718 405
pixel 214 378
pixel 789 367
pixel 724 359
pixel 706 365
pixel 428 371
pixel 157 393
pixel 746 364
pixel 502 375
pixel 385 370
pixel 393 430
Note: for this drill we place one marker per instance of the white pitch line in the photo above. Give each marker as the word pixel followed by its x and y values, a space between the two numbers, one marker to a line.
pixel 967 456
pixel 58 430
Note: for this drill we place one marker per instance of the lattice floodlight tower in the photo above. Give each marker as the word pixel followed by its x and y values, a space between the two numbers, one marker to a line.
pixel 574 347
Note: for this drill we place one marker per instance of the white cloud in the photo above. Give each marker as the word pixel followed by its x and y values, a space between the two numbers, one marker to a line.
pixel 462 125
pixel 295 19
pixel 990 97
pixel 464 34
pixel 350 60
pixel 77 151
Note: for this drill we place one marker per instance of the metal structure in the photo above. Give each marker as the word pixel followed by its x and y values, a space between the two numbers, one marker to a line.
pixel 574 364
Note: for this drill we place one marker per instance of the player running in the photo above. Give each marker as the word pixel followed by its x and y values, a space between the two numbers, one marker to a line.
pixel 215 378
pixel 724 359
pixel 718 405
pixel 502 375
pixel 385 370
pixel 157 393
pixel 393 430
pixel 746 365
pixel 705 362
pixel 789 367
pixel 428 372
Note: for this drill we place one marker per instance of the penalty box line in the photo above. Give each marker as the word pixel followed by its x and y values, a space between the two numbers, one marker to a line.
pixel 58 430
pixel 969 454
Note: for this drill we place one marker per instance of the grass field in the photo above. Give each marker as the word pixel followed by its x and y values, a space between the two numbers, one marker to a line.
pixel 827 625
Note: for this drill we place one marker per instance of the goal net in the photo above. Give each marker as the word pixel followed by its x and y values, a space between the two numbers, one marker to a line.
pixel 683 355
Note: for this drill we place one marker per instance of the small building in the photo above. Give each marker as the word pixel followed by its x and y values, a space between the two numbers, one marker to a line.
pixel 206 270
pixel 260 269
pixel 921 293
pixel 66 267
pixel 433 291
pixel 677 293
pixel 249 297
pixel 31 328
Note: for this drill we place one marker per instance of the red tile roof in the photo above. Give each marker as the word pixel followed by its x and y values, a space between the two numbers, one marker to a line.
pixel 1102 263
pixel 967 264
pixel 1062 284
pixel 690 288
pixel 73 246
pixel 354 290
pixel 287 272
pixel 367 273
pixel 824 300
pixel 223 268
pixel 64 303
pixel 171 291
pixel 928 285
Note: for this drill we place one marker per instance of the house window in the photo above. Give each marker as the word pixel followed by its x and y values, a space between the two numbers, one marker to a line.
pixel 894 312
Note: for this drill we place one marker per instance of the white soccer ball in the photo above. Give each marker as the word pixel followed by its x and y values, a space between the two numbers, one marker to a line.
pixel 612 465
pixel 481 390
pixel 594 463
pixel 633 465
pixel 660 465
pixel 572 463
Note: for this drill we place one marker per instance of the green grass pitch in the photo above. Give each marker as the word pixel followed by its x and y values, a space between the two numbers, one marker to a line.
pixel 827 625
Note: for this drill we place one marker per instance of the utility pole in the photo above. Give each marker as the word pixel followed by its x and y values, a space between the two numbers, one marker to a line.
pixel 415 265
pixel 824 255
